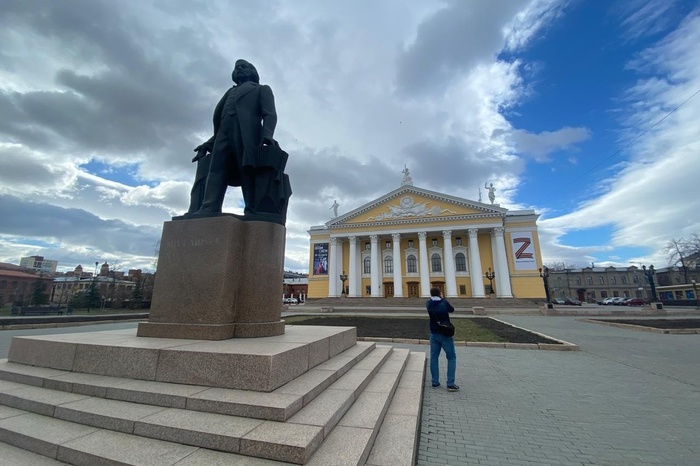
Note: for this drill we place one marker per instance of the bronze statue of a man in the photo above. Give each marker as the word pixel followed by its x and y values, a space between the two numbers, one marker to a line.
pixel 244 120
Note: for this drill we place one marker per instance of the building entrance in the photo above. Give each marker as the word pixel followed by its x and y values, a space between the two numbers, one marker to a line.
pixel 388 290
pixel 413 290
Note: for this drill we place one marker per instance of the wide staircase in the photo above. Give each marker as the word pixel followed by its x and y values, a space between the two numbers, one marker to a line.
pixel 398 303
pixel 63 402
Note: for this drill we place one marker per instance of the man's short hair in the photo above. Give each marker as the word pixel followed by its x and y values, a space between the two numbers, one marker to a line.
pixel 435 292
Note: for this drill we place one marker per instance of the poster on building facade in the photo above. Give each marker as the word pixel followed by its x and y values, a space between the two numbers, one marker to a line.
pixel 523 250
pixel 321 259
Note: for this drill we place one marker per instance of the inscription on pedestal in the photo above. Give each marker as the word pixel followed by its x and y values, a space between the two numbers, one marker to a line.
pixel 194 242
pixel 214 273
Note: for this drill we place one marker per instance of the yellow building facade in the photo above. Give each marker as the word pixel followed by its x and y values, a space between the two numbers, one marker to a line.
pixel 413 239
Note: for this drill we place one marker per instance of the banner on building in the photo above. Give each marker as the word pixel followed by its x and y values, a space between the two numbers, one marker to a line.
pixel 321 259
pixel 523 250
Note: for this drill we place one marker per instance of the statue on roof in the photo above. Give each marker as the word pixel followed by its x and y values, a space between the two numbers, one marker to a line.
pixel 406 176
pixel 335 208
pixel 492 192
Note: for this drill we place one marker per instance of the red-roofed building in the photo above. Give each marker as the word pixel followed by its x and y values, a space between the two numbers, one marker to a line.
pixel 17 285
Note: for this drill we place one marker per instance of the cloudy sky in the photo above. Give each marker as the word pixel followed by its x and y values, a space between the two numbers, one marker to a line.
pixel 586 112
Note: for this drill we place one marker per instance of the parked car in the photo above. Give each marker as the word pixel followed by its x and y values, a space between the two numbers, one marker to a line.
pixel 638 302
pixel 290 301
pixel 607 301
pixel 558 301
pixel 572 302
pixel 625 301
pixel 616 300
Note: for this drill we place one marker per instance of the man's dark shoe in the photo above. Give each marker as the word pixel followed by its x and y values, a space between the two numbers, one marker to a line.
pixel 435 385
pixel 453 388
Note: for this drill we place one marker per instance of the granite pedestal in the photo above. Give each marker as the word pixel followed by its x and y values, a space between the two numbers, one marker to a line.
pixel 218 278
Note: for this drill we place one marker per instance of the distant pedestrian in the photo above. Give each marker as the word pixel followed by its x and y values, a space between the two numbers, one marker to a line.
pixel 439 311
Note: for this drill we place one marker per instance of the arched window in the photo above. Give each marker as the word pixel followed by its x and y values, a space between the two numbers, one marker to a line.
pixel 436 263
pixel 589 280
pixel 460 262
pixel 411 264
pixel 368 265
pixel 388 264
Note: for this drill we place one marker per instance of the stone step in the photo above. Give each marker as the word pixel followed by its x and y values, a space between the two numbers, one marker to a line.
pixel 329 407
pixel 47 441
pixel 277 405
pixel 350 441
pixel 294 440
pixel 260 364
pixel 397 440
pixel 13 456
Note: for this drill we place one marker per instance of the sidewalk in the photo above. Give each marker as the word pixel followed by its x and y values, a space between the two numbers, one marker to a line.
pixel 627 398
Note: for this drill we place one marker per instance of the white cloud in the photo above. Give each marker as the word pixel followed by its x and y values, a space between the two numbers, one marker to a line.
pixel 646 17
pixel 358 95
pixel 542 145
pixel 650 199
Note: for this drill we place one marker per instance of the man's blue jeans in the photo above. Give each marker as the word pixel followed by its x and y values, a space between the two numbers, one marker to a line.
pixel 438 342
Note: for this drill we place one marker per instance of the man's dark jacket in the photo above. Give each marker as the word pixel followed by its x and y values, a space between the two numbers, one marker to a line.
pixel 253 103
pixel 439 311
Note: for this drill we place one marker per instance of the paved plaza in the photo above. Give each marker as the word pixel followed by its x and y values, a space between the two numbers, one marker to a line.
pixel 627 398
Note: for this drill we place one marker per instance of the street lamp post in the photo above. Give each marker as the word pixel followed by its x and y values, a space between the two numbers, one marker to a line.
pixel 93 287
pixel 544 273
pixel 650 276
pixel 695 291
pixel 490 275
pixel 343 279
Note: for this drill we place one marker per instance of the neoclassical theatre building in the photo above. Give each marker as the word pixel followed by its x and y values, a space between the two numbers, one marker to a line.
pixel 413 239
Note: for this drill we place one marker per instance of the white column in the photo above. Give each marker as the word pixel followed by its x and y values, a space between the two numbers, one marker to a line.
pixel 450 276
pixel 339 267
pixel 333 269
pixel 398 282
pixel 475 271
pixel 424 269
pixel 503 289
pixel 354 283
pixel 360 269
pixel 376 273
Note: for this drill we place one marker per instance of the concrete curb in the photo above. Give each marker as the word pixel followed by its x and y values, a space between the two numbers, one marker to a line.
pixel 642 328
pixel 67 324
pixel 564 346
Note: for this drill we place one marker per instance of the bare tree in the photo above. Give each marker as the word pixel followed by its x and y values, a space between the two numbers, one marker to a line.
pixel 113 274
pixel 677 250
pixel 693 252
pixel 555 265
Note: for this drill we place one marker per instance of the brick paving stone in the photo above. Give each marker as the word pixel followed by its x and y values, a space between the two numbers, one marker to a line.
pixel 627 398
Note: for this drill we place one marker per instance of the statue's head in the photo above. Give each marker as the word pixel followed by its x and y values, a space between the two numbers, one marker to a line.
pixel 244 71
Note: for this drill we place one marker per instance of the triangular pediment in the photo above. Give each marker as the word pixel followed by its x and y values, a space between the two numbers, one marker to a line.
pixel 410 204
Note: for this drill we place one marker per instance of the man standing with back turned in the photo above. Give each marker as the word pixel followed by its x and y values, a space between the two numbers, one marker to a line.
pixel 439 311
